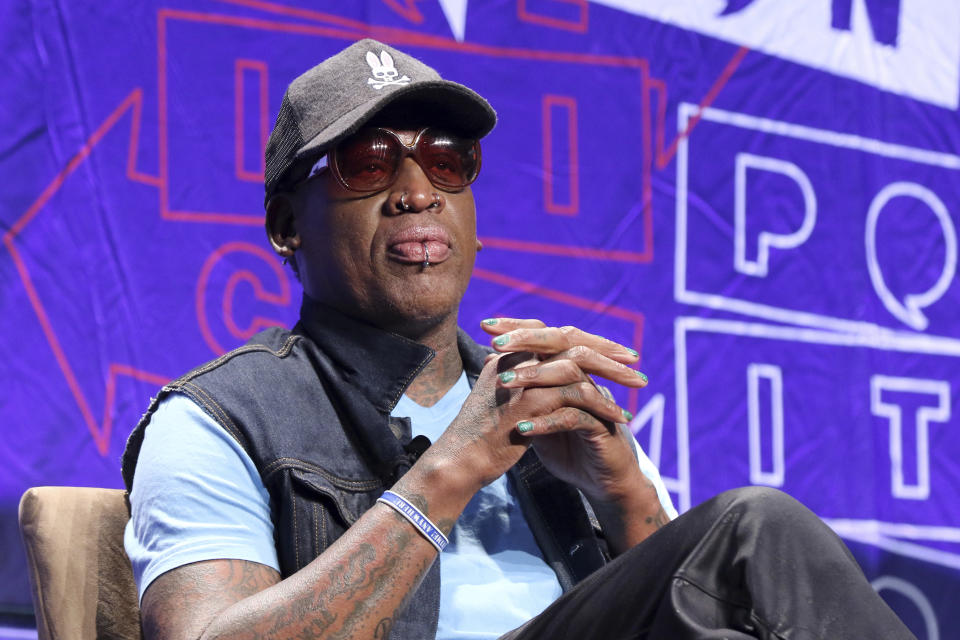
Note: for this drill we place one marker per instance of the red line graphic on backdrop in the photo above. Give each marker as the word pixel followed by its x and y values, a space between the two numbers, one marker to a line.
pixel 282 298
pixel 100 433
pixel 664 156
pixel 604 308
pixel 296 12
pixel 579 26
pixel 406 9
pixel 569 105
pixel 239 117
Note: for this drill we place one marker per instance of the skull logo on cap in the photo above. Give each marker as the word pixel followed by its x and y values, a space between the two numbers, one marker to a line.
pixel 383 71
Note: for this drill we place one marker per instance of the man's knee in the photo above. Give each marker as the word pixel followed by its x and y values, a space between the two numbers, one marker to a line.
pixel 764 499
pixel 770 506
pixel 773 510
pixel 759 513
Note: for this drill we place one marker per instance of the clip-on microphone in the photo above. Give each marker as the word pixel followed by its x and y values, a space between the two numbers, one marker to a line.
pixel 416 447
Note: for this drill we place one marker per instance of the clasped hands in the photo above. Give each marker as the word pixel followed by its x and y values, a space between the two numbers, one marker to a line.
pixel 537 391
pixel 572 422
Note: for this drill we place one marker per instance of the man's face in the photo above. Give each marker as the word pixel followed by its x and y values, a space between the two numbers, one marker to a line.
pixel 364 254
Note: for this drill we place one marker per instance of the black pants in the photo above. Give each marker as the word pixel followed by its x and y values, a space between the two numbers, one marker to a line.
pixel 750 563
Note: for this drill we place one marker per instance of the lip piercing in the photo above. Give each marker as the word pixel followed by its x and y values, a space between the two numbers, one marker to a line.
pixel 403 202
pixel 426 256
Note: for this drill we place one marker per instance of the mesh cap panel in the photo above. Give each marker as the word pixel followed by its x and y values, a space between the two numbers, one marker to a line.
pixel 282 147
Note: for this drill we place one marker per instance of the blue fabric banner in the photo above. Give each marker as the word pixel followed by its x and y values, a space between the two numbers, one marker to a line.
pixel 761 197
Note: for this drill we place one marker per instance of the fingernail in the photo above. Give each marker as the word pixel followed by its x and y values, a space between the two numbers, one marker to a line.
pixel 507 376
pixel 633 352
pixel 491 321
pixel 627 414
pixel 642 375
pixel 524 425
pixel 501 340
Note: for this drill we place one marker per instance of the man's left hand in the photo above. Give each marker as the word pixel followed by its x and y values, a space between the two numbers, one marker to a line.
pixel 586 444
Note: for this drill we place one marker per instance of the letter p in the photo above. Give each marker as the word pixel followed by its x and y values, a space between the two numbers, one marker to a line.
pixel 766 239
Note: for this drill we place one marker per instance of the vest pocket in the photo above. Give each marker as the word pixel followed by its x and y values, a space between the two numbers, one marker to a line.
pixel 321 509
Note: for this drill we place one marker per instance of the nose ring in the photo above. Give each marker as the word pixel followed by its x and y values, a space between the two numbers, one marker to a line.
pixel 403 202
pixel 436 200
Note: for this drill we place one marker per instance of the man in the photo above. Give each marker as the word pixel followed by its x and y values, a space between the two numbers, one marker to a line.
pixel 279 491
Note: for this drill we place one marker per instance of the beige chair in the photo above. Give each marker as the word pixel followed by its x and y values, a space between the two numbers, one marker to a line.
pixel 82 582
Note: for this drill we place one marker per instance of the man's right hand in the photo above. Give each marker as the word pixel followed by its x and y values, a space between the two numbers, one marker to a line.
pixel 481 444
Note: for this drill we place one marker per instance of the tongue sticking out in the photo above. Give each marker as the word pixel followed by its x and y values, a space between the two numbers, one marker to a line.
pixel 417 252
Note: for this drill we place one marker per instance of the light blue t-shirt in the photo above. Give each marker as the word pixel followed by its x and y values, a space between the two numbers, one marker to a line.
pixel 196 496
pixel 493 577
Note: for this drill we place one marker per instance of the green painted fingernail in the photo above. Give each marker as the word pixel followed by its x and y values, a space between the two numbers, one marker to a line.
pixel 633 352
pixel 507 376
pixel 627 414
pixel 491 321
pixel 501 340
pixel 524 425
pixel 642 375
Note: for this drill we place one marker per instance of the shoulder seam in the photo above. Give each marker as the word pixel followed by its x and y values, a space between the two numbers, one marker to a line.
pixel 282 352
pixel 214 409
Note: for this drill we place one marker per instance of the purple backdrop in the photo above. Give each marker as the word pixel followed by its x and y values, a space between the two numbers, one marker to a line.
pixel 762 200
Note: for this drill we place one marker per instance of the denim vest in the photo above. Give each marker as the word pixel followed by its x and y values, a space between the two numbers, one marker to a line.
pixel 312 407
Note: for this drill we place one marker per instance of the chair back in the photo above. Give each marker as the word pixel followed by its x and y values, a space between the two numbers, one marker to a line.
pixel 82 582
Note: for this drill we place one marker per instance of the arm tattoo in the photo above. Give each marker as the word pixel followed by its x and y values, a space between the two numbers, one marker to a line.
pixel 362 580
pixel 338 600
pixel 205 588
pixel 660 518
pixel 416 499
pixel 383 629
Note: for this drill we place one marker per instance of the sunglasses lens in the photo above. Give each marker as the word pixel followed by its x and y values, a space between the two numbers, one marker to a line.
pixel 449 161
pixel 368 161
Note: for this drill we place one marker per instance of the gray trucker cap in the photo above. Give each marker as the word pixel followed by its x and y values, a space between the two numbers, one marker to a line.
pixel 335 98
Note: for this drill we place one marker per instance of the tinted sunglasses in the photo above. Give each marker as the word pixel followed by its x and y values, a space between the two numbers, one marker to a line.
pixel 370 160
